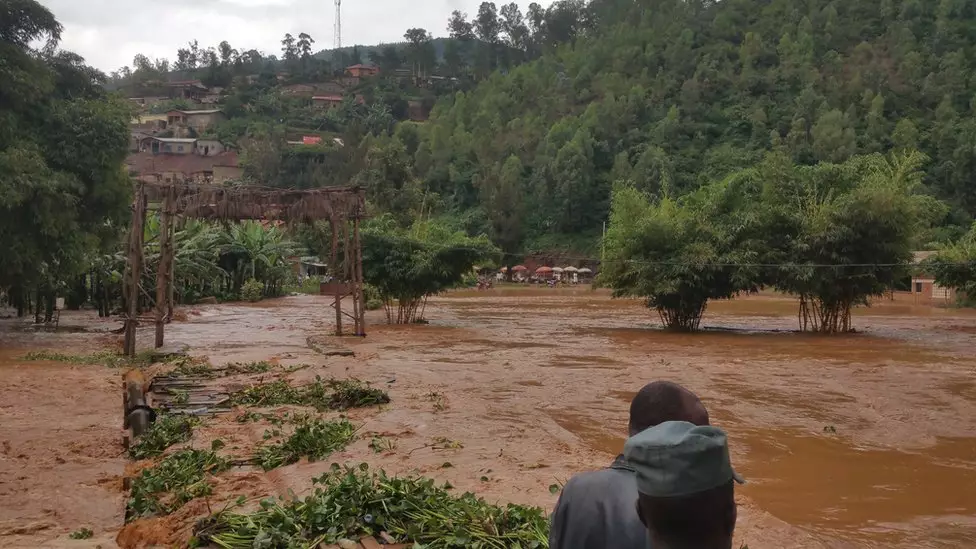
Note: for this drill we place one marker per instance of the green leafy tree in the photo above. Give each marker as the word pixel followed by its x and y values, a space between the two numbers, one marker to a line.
pixel 62 143
pixel 679 254
pixel 842 233
pixel 954 266
pixel 406 266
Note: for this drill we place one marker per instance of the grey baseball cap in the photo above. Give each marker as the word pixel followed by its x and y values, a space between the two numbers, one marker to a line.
pixel 677 458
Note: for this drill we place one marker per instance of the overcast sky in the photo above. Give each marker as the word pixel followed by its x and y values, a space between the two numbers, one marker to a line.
pixel 109 33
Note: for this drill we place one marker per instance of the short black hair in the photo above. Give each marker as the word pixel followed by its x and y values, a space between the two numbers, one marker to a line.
pixel 705 519
pixel 662 401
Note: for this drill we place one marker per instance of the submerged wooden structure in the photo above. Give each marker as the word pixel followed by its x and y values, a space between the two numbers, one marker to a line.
pixel 342 207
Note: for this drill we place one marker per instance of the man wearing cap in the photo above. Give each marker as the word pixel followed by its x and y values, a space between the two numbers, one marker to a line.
pixel 686 485
pixel 596 509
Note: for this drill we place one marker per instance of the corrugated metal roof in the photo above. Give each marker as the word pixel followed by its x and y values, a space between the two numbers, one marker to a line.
pixel 182 140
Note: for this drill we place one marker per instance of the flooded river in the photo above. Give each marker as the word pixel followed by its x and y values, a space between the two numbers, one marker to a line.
pixel 866 440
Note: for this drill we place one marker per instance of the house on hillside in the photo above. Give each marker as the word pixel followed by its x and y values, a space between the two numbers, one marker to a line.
pixel 148 101
pixel 208 147
pixel 327 101
pixel 362 71
pixel 186 89
pixel 172 145
pixel 924 287
pixel 198 120
pixel 164 167
pixel 148 122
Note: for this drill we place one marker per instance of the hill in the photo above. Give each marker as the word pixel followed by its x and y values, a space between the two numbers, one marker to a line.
pixel 672 93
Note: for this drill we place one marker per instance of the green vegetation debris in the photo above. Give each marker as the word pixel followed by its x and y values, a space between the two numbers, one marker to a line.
pixel 312 438
pixel 165 432
pixel 354 393
pixel 175 480
pixel 109 359
pixel 84 533
pixel 379 444
pixel 322 395
pixel 354 502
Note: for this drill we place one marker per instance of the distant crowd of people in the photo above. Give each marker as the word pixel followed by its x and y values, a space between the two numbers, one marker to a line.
pixel 672 488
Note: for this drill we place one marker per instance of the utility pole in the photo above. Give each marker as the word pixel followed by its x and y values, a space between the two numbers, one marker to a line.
pixel 338 24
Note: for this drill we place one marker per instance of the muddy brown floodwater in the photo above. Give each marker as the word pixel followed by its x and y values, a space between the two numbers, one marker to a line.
pixel 865 440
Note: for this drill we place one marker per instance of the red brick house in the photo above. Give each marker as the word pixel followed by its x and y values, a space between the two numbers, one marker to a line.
pixel 362 71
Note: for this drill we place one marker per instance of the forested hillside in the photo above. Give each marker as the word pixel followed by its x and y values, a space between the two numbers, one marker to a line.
pixel 670 94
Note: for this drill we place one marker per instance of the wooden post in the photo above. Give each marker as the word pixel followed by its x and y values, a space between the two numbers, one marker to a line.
pixel 134 268
pixel 336 278
pixel 358 298
pixel 165 264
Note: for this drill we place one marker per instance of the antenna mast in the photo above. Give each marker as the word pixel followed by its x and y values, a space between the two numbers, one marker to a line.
pixel 338 24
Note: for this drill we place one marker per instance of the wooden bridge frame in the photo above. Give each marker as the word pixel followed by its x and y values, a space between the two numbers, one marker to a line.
pixel 342 207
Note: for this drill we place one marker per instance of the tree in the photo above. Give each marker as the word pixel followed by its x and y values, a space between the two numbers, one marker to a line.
pixel 406 266
pixel 63 141
pixel 289 48
pixel 954 266
pixel 842 233
pixel 503 196
pixel 304 46
pixel 679 254
pixel 420 51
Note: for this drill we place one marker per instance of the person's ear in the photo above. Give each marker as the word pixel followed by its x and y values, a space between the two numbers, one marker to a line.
pixel 640 513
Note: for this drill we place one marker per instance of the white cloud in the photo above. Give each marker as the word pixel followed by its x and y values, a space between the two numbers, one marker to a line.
pixel 109 33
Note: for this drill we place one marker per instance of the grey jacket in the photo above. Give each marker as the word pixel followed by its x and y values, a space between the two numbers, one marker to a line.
pixel 598 510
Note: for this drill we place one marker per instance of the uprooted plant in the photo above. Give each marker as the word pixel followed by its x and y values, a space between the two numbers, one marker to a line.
pixel 165 432
pixel 193 367
pixel 312 438
pixel 350 502
pixel 322 395
pixel 175 480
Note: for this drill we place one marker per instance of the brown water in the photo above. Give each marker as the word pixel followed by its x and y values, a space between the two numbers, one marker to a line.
pixel 534 386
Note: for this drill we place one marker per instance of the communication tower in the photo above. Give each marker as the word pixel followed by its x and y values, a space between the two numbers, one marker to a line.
pixel 338 24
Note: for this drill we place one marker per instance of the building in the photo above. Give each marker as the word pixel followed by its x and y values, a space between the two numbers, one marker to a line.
pixel 362 71
pixel 198 120
pixel 186 89
pixel 924 287
pixel 327 101
pixel 313 89
pixel 172 145
pixel 208 147
pixel 184 168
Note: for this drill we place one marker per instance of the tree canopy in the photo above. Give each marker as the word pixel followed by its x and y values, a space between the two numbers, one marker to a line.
pixel 62 143
pixel 406 266
pixel 834 235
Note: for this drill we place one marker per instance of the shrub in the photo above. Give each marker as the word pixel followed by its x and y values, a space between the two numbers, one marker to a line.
pixel 252 291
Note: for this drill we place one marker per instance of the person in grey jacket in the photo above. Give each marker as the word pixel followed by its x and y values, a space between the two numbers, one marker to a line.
pixel 597 509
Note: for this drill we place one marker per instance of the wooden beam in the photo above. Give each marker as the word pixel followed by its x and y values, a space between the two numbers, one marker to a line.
pixel 134 268
pixel 165 266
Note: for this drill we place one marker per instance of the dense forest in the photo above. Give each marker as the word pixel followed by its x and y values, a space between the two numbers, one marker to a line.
pixel 670 94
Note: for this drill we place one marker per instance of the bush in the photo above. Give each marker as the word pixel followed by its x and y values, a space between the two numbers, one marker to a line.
pixel 252 291
pixel 372 297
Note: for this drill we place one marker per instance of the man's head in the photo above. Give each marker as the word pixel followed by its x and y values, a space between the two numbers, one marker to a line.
pixel 662 401
pixel 685 485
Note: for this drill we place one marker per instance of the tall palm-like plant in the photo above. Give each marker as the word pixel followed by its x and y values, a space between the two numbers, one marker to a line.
pixel 252 250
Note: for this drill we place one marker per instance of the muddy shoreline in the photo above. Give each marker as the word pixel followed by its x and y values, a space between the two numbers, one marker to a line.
pixel 867 440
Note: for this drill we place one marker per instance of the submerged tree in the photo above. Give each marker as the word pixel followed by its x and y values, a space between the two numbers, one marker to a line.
pixel 679 254
pixel 841 233
pixel 406 266
pixel 954 266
